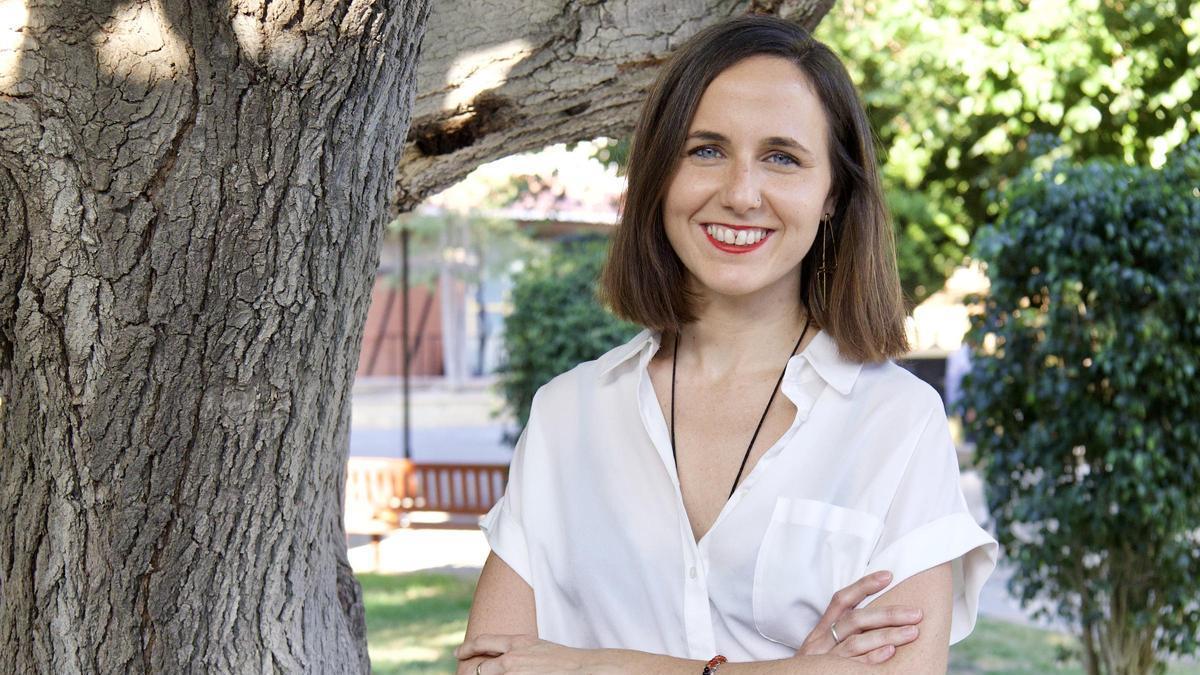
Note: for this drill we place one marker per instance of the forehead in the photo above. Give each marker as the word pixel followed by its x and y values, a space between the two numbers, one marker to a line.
pixel 759 97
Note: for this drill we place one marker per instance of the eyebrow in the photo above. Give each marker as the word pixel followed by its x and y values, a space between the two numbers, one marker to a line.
pixel 772 141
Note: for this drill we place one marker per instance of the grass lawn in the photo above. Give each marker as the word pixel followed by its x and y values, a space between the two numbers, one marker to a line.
pixel 414 622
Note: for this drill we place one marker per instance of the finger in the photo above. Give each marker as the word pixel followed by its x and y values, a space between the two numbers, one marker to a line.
pixel 467 666
pixel 492 667
pixel 849 597
pixel 877 656
pixel 865 643
pixel 870 618
pixel 484 645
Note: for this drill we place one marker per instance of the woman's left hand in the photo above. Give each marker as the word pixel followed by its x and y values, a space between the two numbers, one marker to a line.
pixel 528 654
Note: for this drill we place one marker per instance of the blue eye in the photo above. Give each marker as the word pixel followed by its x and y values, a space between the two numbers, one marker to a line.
pixel 783 158
pixel 705 152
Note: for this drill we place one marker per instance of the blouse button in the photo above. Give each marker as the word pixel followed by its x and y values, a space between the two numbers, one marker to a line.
pixel 692 572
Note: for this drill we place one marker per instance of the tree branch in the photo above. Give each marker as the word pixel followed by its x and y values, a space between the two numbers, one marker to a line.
pixel 556 72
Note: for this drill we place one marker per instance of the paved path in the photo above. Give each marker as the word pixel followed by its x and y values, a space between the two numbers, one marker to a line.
pixel 466 444
pixel 448 425
pixel 459 426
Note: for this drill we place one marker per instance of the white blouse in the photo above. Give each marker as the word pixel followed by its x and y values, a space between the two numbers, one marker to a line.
pixel 865 479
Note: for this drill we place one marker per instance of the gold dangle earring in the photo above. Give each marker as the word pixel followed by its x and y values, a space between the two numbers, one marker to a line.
pixel 825 265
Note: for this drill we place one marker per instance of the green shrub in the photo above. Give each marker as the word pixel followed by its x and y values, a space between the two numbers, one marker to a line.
pixel 1084 405
pixel 557 321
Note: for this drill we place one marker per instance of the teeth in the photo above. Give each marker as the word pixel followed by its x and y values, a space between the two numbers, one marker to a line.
pixel 735 237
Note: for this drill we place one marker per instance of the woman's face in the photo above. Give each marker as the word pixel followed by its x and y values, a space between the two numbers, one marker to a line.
pixel 743 206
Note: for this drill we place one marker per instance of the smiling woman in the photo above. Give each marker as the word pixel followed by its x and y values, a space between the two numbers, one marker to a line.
pixel 751 484
pixel 760 113
pixel 746 182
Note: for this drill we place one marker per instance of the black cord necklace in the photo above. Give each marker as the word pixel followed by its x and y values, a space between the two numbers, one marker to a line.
pixel 675 360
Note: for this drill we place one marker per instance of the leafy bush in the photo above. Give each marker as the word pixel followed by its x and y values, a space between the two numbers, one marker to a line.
pixel 1084 403
pixel 557 321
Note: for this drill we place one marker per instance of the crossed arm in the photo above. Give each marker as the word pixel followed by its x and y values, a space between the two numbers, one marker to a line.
pixel 504 608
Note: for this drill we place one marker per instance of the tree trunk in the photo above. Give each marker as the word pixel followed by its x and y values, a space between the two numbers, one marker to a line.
pixel 552 72
pixel 192 196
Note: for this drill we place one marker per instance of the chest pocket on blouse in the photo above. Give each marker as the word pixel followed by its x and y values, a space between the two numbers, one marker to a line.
pixel 811 550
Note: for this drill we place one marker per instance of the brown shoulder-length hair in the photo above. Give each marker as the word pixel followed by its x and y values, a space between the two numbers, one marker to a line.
pixel 644 280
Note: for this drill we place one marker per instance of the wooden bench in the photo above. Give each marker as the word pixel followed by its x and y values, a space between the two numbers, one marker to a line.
pixel 381 493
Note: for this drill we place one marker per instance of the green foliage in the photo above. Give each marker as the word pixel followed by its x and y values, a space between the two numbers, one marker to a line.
pixel 557 321
pixel 613 152
pixel 926 251
pixel 1083 399
pixel 958 89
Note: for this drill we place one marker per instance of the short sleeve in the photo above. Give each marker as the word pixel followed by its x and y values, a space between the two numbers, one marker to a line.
pixel 503 525
pixel 928 524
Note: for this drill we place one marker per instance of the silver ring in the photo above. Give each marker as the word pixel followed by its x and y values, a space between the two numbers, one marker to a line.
pixel 477 667
pixel 832 629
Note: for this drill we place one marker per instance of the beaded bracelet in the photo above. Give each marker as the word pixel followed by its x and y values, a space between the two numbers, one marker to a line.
pixel 711 667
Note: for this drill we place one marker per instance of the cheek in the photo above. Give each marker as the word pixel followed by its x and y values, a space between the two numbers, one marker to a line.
pixel 685 195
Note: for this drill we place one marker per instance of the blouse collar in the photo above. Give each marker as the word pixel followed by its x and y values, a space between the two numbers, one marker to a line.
pixel 822 354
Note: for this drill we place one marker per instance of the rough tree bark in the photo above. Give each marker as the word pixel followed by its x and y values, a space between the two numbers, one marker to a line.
pixel 554 71
pixel 192 197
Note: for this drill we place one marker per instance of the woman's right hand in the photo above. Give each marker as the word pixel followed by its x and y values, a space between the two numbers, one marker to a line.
pixel 868 635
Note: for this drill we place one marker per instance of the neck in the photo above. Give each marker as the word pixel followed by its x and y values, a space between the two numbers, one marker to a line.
pixel 738 335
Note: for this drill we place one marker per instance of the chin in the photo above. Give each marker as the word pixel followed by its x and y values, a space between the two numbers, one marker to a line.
pixel 730 288
pixel 741 285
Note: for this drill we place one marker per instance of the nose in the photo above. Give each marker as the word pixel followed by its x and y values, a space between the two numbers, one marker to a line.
pixel 741 192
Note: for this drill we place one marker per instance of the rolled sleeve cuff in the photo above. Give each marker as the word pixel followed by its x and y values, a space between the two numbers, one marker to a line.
pixel 955 538
pixel 507 539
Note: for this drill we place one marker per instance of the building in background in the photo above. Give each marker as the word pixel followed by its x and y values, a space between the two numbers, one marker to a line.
pixel 467 243
pixel 936 330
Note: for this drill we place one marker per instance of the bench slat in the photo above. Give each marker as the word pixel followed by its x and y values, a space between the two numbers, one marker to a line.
pixel 379 490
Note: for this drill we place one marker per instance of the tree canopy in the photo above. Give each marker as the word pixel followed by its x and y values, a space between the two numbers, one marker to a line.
pixel 964 93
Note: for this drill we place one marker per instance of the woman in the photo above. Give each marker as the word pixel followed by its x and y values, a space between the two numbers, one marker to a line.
pixel 681 501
